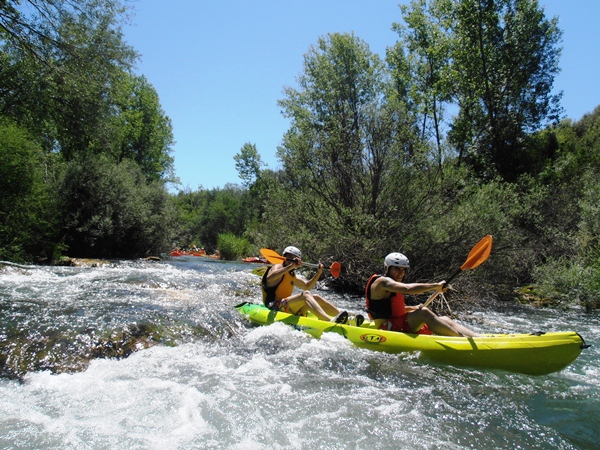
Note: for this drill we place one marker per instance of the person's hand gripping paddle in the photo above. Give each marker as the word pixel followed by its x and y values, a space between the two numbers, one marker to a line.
pixel 275 258
pixel 477 256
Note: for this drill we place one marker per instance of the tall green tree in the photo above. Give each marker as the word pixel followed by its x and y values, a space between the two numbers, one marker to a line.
pixel 66 76
pixel 82 87
pixel 142 131
pixel 355 176
pixel 504 63
pixel 330 149
pixel 62 59
pixel 420 63
pixel 249 164
pixel 27 210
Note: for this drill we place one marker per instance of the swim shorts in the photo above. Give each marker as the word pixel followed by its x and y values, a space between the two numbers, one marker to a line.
pixel 280 305
pixel 400 324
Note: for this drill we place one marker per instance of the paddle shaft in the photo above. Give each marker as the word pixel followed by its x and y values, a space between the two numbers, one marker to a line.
pixel 435 294
pixel 283 258
pixel 309 264
pixel 478 255
pixel 274 258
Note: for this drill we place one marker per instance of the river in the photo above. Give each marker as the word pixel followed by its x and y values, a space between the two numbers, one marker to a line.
pixel 153 355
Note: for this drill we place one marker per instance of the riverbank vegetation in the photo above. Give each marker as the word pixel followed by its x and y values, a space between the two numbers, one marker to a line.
pixel 454 134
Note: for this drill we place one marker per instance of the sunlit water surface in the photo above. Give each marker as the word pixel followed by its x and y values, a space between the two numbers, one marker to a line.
pixel 153 355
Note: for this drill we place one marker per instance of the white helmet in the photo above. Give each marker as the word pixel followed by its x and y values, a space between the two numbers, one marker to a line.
pixel 396 259
pixel 292 251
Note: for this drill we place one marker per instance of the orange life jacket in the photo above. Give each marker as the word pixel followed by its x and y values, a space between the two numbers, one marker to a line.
pixel 284 289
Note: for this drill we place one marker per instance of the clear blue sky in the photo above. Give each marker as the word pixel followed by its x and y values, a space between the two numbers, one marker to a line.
pixel 219 67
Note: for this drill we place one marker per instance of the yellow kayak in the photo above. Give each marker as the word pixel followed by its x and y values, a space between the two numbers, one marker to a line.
pixel 534 354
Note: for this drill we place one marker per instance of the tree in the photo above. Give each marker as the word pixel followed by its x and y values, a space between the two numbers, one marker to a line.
pixel 65 76
pixel 206 214
pixel 504 63
pixel 142 131
pixel 109 210
pixel 420 64
pixel 248 164
pixel 32 25
pixel 355 177
pixel 27 212
pixel 62 60
pixel 328 148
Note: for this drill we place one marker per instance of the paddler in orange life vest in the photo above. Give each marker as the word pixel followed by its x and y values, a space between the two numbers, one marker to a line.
pixel 278 285
pixel 385 303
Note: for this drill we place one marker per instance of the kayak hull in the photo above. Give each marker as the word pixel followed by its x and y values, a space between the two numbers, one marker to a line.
pixel 533 354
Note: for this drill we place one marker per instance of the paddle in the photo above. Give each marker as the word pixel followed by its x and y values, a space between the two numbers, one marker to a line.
pixel 274 258
pixel 478 254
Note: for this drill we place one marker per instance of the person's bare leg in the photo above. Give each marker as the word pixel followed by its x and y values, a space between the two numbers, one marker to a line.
pixel 443 326
pixel 329 308
pixel 458 327
pixel 302 303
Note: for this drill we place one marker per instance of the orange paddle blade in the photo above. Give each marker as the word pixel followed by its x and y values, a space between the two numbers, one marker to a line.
pixel 272 256
pixel 335 269
pixel 479 253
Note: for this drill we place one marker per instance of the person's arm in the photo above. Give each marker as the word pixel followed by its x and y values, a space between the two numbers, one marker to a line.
pixel 308 285
pixel 390 285
pixel 277 271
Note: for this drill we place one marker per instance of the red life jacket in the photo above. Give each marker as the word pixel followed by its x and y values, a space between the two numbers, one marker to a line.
pixel 386 308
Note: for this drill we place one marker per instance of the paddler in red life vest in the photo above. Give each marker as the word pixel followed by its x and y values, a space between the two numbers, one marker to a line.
pixel 278 285
pixel 385 303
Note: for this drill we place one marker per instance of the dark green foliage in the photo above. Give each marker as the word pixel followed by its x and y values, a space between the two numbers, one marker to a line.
pixel 232 247
pixel 204 215
pixel 421 69
pixel 26 207
pixel 110 211
pixel 357 177
pixel 140 129
pixel 367 168
pixel 74 58
pixel 572 272
pixel 358 182
pixel 65 76
pixel 504 63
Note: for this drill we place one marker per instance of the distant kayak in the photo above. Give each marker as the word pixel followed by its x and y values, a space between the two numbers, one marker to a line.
pixel 255 259
pixel 182 253
pixel 533 354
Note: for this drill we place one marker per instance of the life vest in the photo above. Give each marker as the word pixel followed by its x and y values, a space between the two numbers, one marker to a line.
pixel 386 308
pixel 284 289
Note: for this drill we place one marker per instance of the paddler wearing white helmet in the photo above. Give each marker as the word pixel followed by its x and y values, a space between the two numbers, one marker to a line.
pixel 384 296
pixel 278 285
